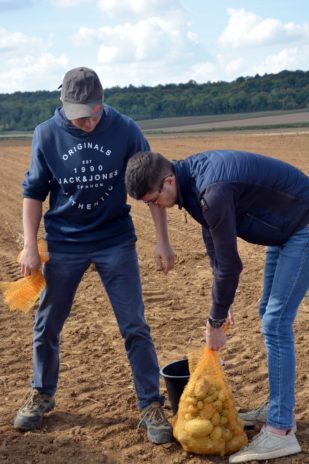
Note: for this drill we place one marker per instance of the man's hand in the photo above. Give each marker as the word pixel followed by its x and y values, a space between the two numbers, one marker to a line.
pixel 29 260
pixel 215 338
pixel 230 316
pixel 164 257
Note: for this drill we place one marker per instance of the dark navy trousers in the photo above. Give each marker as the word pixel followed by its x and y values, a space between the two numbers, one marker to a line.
pixel 119 272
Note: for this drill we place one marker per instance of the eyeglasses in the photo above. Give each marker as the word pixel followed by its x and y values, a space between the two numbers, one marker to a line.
pixel 153 201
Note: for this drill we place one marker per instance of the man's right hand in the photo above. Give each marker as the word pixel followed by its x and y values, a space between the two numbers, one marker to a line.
pixel 29 260
pixel 164 257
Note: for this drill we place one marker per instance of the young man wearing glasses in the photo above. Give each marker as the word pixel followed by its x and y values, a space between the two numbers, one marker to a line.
pixel 264 201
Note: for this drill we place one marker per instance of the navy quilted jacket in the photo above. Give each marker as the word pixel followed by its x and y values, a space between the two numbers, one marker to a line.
pixel 239 194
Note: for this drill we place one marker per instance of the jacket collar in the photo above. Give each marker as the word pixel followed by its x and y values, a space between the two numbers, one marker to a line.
pixel 182 181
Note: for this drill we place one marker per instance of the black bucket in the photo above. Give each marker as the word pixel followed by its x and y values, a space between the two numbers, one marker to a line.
pixel 176 376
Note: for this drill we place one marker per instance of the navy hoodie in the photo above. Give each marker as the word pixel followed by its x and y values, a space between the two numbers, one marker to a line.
pixel 83 173
pixel 238 194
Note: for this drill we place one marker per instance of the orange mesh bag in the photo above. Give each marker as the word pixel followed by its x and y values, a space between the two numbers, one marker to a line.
pixel 207 421
pixel 24 293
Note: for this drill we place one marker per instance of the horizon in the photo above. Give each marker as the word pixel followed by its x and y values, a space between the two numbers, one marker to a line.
pixel 163 85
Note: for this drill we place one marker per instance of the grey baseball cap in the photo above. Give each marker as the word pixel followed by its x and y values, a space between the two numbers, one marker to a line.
pixel 82 94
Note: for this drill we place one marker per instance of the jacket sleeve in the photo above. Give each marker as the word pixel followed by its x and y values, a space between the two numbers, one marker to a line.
pixel 209 245
pixel 218 205
pixel 37 180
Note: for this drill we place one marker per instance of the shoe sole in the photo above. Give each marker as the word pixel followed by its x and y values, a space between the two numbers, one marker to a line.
pixel 22 423
pixel 164 438
pixel 262 457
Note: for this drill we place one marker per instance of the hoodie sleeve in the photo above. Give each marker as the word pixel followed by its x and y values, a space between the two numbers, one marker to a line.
pixel 137 140
pixel 219 211
pixel 37 180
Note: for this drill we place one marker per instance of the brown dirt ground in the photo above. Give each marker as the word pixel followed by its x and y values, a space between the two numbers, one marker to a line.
pixel 96 416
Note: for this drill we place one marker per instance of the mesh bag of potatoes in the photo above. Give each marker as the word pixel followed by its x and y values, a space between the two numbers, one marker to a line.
pixel 207 421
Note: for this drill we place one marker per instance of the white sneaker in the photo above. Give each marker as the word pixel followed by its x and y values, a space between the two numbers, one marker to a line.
pixel 267 445
pixel 255 416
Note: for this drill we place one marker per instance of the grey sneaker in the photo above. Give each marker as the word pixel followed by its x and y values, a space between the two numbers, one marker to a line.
pixel 255 416
pixel 30 415
pixel 159 430
pixel 267 445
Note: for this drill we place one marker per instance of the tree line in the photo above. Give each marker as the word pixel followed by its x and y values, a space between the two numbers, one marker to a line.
pixel 287 90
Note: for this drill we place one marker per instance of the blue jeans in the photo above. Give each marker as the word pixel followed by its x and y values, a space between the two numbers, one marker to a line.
pixel 286 280
pixel 119 272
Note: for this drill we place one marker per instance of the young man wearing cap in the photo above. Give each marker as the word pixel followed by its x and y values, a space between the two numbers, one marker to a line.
pixel 79 158
pixel 264 201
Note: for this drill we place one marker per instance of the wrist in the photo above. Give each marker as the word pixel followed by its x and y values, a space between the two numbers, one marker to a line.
pixel 215 323
pixel 30 244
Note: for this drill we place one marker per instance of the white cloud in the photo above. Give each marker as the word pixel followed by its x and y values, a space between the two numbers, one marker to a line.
pixel 29 63
pixel 246 29
pixel 233 67
pixel 202 72
pixel 156 45
pixel 142 73
pixel 289 58
pixel 10 42
pixel 137 8
pixel 221 68
pixel 143 41
pixel 25 72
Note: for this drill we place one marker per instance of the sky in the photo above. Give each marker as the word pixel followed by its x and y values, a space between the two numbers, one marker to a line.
pixel 149 42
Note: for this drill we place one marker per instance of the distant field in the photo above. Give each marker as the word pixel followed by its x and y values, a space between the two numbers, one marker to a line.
pixel 213 123
pixel 259 120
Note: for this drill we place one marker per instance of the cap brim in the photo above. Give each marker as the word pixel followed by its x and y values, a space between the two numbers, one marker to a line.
pixel 86 110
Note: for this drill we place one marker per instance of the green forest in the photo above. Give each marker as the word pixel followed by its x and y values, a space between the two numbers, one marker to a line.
pixel 287 90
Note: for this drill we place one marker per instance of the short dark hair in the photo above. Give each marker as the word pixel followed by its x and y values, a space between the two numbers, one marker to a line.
pixel 145 171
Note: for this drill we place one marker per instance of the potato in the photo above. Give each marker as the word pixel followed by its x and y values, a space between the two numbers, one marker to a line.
pixel 199 428
pixel 192 409
pixel 201 388
pixel 226 434
pixel 215 419
pixel 222 395
pixel 200 405
pixel 190 400
pixel 216 433
pixel 208 411
pixel 208 399
pixel 236 443
pixel 218 405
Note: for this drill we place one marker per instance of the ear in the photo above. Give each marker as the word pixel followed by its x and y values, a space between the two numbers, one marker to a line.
pixel 171 180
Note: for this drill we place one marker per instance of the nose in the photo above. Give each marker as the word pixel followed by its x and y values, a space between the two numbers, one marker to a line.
pixel 90 123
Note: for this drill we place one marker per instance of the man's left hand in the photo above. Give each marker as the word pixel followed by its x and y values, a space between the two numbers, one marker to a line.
pixel 215 338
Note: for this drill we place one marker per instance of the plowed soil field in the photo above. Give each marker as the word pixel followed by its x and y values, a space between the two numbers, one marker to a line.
pixel 95 419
